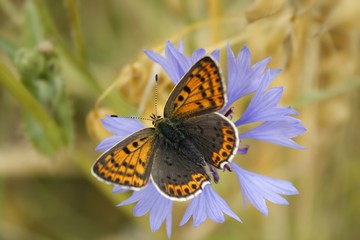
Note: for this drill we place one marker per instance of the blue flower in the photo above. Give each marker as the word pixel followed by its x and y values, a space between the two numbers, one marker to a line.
pixel 277 126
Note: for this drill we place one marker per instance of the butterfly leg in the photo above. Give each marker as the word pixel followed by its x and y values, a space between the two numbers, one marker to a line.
pixel 214 173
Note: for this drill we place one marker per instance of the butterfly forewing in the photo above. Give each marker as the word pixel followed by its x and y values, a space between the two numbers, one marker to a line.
pixel 128 163
pixel 200 91
pixel 214 136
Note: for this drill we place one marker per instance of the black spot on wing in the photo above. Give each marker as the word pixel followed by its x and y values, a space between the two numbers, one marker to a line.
pixel 187 89
pixel 126 150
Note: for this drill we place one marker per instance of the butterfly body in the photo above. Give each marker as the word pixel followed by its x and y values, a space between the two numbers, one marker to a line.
pixel 172 135
pixel 171 130
pixel 175 152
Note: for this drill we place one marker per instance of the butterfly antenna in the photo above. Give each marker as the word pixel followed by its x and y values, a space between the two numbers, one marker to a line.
pixel 131 117
pixel 155 116
pixel 156 95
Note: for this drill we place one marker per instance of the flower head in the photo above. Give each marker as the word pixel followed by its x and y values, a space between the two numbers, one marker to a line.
pixel 277 125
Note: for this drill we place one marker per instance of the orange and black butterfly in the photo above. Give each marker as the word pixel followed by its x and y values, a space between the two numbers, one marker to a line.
pixel 175 152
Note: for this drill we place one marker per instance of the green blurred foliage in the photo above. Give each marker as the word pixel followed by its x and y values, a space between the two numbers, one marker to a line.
pixel 40 74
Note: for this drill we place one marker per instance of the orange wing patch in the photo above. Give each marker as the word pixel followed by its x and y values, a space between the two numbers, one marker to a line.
pixel 214 136
pixel 229 143
pixel 129 162
pixel 189 189
pixel 200 91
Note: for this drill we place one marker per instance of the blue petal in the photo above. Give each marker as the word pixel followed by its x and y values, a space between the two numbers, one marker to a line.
pixel 150 200
pixel 216 54
pixel 135 197
pixel 242 79
pixel 179 62
pixel 144 205
pixel 277 132
pixel 176 63
pixel 213 211
pixel 263 106
pixel 165 64
pixel 173 75
pixel 189 211
pixel 119 189
pixel 256 189
pixel 207 205
pixel 160 211
pixel 197 55
pixel 200 208
pixel 121 126
pixel 108 142
pixel 181 46
pixel 234 72
pixel 243 59
pixel 169 221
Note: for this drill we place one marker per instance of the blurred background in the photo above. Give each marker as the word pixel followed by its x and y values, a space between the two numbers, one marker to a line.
pixel 64 64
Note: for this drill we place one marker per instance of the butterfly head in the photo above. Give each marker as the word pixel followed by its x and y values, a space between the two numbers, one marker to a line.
pixel 155 119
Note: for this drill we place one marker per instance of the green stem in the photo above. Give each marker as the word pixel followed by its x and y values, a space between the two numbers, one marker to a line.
pixel 30 104
pixel 75 25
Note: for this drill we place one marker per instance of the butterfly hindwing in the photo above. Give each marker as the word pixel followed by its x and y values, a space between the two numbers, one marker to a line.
pixel 128 163
pixel 214 136
pixel 176 176
pixel 201 90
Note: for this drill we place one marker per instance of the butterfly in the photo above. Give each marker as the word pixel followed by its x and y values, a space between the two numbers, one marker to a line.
pixel 175 152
